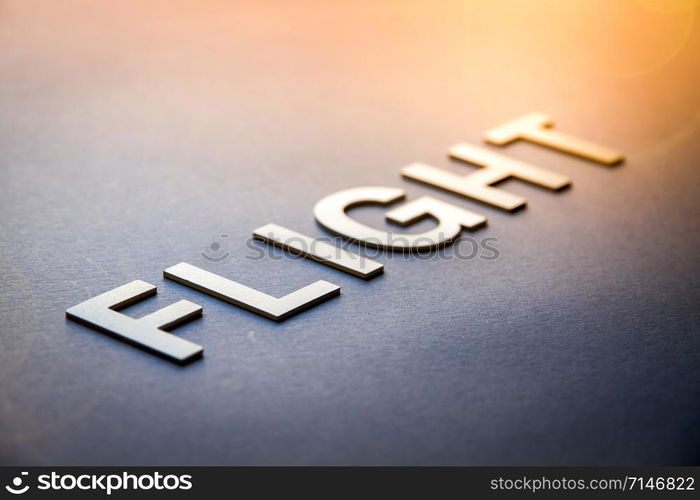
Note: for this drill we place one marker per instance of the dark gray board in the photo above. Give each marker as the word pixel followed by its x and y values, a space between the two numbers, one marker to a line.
pixel 133 134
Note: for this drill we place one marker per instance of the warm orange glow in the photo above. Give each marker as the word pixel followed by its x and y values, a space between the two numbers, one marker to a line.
pixel 570 58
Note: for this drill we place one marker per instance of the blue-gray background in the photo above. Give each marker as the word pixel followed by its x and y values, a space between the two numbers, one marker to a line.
pixel 134 134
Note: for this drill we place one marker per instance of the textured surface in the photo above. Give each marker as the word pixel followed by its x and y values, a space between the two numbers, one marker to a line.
pixel 134 134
